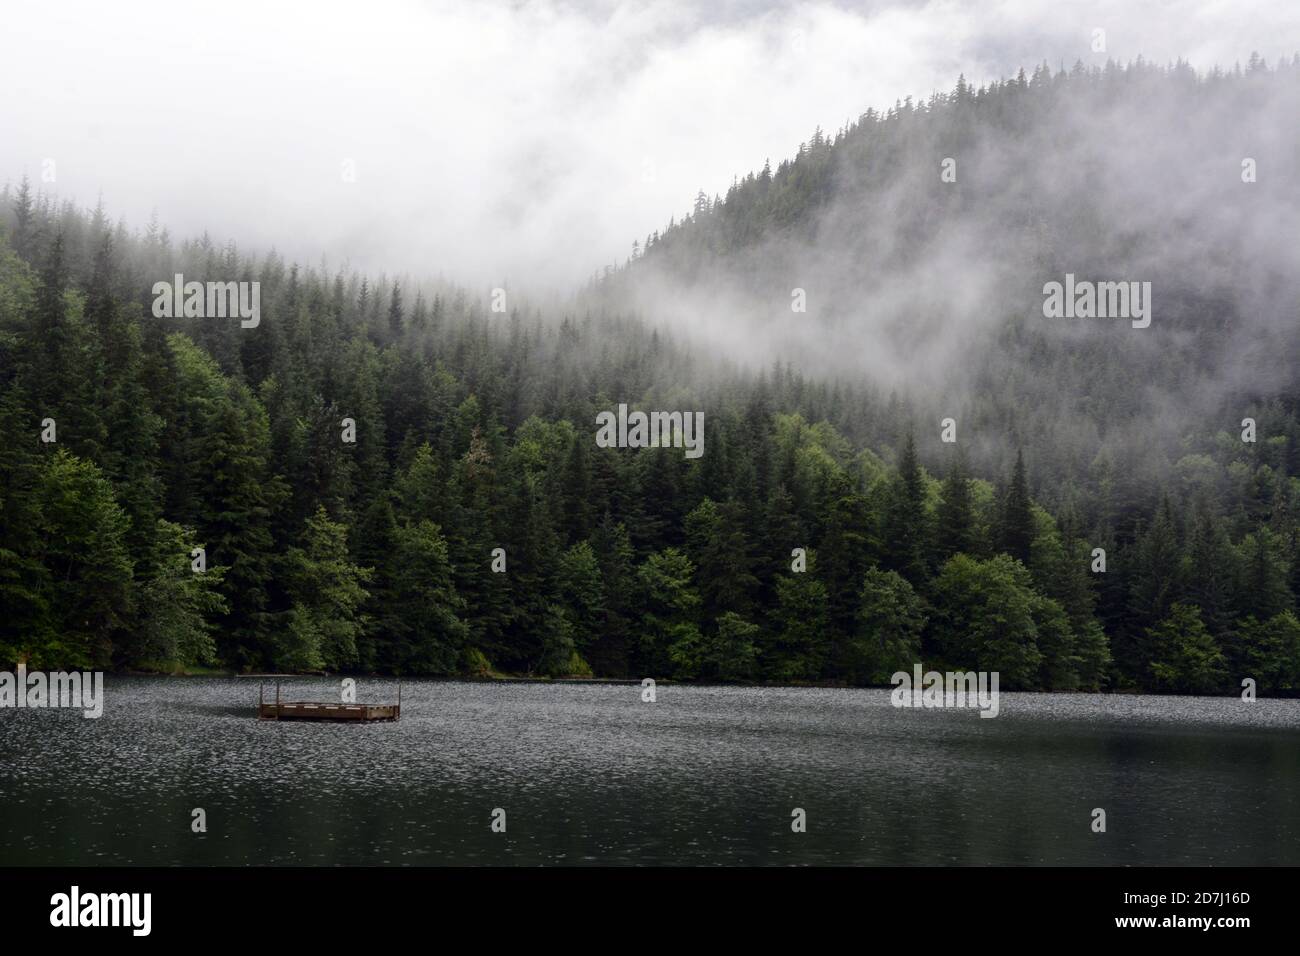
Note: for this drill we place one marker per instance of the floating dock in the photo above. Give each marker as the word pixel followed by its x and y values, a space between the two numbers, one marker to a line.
pixel 317 710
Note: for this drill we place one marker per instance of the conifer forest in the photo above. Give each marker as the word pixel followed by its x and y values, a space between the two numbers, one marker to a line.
pixel 395 473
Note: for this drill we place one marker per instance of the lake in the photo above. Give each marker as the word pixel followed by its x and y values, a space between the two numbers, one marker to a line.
pixel 588 773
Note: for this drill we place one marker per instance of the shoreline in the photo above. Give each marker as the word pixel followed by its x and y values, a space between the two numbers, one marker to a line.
pixel 497 678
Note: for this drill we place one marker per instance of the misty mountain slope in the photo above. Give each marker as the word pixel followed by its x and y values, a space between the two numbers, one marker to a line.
pixel 935 289
pixel 475 433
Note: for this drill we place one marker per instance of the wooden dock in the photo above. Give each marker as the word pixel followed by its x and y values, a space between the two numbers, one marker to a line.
pixel 317 710
pixel 311 710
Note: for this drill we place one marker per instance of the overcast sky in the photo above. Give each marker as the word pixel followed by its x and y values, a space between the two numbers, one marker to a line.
pixel 526 142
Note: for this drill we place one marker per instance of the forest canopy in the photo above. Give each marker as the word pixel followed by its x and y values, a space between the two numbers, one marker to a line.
pixel 200 506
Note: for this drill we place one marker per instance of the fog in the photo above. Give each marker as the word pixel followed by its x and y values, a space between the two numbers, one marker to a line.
pixel 905 274
pixel 496 143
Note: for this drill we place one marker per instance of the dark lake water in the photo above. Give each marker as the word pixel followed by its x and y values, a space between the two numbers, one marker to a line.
pixel 588 774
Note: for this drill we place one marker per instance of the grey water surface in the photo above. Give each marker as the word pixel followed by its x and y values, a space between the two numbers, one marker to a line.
pixel 588 773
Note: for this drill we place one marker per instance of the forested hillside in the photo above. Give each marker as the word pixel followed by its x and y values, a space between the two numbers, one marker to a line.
pixel 921 238
pixel 474 431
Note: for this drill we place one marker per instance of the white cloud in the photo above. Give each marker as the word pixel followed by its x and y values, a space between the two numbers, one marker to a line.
pixel 530 142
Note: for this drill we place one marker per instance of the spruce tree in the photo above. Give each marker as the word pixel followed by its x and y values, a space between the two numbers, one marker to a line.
pixel 1016 536
pixel 955 531
pixel 906 532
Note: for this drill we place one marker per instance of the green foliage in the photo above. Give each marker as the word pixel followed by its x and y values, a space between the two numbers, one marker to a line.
pixel 718 545
pixel 730 653
pixel 582 590
pixel 1267 651
pixel 431 636
pixel 1186 658
pixel 476 435
pixel 957 532
pixel 906 533
pixel 891 619
pixel 799 647
pixel 326 591
pixel 670 638
pixel 1016 532
pixel 83 534
pixel 178 604
pixel 984 619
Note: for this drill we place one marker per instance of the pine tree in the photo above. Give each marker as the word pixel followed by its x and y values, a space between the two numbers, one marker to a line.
pixel 577 491
pixel 582 592
pixel 432 637
pixel 720 550
pixel 799 644
pixel 178 604
pixel 27 625
pixel 395 315
pixel 612 651
pixel 534 551
pixel 1185 657
pixel 326 591
pixel 1016 535
pixel 235 516
pixel 83 545
pixel 1264 592
pixel 956 532
pixel 670 639
pixel 24 238
pixel 906 532
pixel 729 653
pixel 1211 572
pixel 891 618
pixel 1155 586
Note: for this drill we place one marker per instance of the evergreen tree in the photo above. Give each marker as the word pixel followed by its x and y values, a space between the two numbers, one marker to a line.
pixel 177 604
pixel 984 619
pixel 670 641
pixel 582 590
pixel 1185 657
pixel 1264 592
pixel 1156 585
pixel 845 553
pixel 1211 572
pixel 906 533
pixel 956 531
pixel 83 535
pixel 716 539
pixel 430 635
pixel 395 314
pixel 612 651
pixel 799 645
pixel 26 587
pixel 1267 652
pixel 1016 534
pixel 891 619
pixel 326 592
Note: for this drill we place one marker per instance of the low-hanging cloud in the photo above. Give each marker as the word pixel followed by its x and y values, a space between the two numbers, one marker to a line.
pixel 527 143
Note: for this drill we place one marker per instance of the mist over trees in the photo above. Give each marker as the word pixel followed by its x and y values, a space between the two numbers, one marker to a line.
pixel 921 238
pixel 474 431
